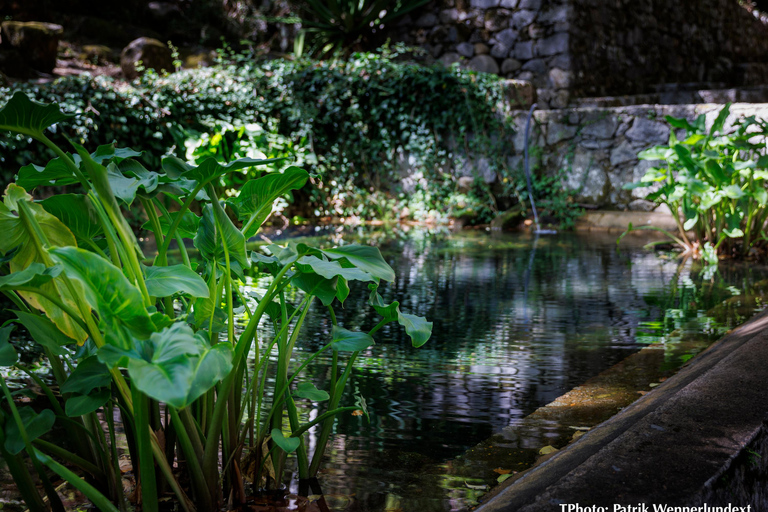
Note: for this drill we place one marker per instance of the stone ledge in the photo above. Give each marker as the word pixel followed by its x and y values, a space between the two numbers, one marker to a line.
pixel 619 221
pixel 670 446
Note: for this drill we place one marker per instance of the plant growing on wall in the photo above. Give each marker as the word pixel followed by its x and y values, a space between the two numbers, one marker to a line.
pixel 714 182
pixel 158 341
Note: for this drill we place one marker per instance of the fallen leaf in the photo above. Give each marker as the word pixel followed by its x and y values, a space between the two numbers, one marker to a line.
pixel 547 450
pixel 358 412
pixel 504 477
pixel 502 471
pixel 476 487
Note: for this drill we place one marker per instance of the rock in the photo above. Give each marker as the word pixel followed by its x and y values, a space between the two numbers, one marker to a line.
pixel 481 49
pixel 152 53
pixel 464 184
pixel 98 54
pixel 509 4
pixel 519 93
pixel 531 5
pixel 601 128
pixel 586 178
pixel 559 79
pixel 449 58
pixel 427 20
pixel 561 99
pixel 536 31
pixel 449 16
pixel 485 172
pixel 648 132
pixel 509 66
pixel 552 45
pixel 509 219
pixel 198 59
pixel 500 50
pixel 507 37
pixel 484 64
pixel 559 132
pixel 537 66
pixel 523 51
pixel 557 14
pixel 641 205
pixel 522 19
pixel 36 42
pixel 466 49
pixel 623 153
pixel 484 4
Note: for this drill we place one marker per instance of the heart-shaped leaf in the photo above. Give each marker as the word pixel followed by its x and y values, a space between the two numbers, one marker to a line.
pixel 34 424
pixel 55 172
pixel 254 202
pixel 44 332
pixel 166 281
pixel 8 355
pixel 187 227
pixel 216 229
pixel 287 444
pixel 344 340
pixel 364 257
pixel 119 304
pixel 331 269
pixel 88 375
pixel 77 213
pixel 309 391
pixel 22 115
pixel 313 284
pixel 417 328
pixel 78 405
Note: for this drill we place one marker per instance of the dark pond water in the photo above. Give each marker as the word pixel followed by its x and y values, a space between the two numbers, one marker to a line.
pixel 518 322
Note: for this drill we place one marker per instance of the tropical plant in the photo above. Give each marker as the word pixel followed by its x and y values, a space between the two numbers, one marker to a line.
pixel 341 27
pixel 716 181
pixel 158 342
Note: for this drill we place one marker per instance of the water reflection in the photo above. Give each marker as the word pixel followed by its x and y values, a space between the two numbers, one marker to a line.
pixel 513 330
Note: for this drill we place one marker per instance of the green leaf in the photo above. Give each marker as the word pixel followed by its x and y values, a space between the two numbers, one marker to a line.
pixel 716 173
pixel 343 340
pixel 22 115
pixel 309 391
pixel 690 223
pixel 364 257
pixel 44 332
pixel 331 269
pixel 119 304
pixel 416 327
pixel 733 191
pixel 178 365
pixel 34 276
pixel 107 152
pixel 211 168
pixel 55 172
pixel 680 123
pixel 654 153
pixel 720 120
pixel 208 239
pixel 34 424
pixel 324 289
pixel 8 355
pixel 287 444
pixel 167 281
pixel 342 290
pixel 77 213
pixel 88 375
pixel 254 203
pixel 78 405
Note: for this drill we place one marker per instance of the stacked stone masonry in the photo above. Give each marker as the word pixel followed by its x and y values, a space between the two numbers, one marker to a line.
pixel 577 48
pixel 597 147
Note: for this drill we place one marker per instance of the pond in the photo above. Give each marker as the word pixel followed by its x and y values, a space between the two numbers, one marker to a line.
pixel 518 322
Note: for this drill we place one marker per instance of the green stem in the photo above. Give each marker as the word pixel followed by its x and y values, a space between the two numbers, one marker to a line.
pixel 146 465
pixel 70 457
pixel 193 451
pixel 81 485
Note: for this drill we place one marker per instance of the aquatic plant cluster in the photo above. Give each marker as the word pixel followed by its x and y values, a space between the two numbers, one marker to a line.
pixel 155 344
pixel 716 179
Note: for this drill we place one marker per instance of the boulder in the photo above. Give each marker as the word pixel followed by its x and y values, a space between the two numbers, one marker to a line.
pixel 152 53
pixel 484 64
pixel 36 42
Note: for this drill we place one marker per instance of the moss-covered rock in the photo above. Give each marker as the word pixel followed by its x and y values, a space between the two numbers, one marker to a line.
pixel 150 52
pixel 35 41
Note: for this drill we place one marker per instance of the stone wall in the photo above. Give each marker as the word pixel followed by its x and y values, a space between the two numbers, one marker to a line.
pixel 620 47
pixel 521 39
pixel 597 147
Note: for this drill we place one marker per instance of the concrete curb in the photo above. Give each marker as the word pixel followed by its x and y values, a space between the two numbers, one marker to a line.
pixel 668 447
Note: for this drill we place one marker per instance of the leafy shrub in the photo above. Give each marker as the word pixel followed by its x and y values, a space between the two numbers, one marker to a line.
pixel 717 180
pixel 126 333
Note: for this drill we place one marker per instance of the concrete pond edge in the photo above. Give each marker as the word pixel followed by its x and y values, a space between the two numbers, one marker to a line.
pixel 670 447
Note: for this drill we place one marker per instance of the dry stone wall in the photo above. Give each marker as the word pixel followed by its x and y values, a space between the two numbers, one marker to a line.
pixel 620 47
pixel 520 39
pixel 597 147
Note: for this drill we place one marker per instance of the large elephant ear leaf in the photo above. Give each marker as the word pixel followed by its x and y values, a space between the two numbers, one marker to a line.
pixel 364 257
pixel 287 444
pixel 8 355
pixel 77 213
pixel 166 281
pixel 417 327
pixel 16 236
pixel 180 366
pixel 119 304
pixel 215 228
pixel 254 203
pixel 22 115
pixel 211 168
pixel 35 425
